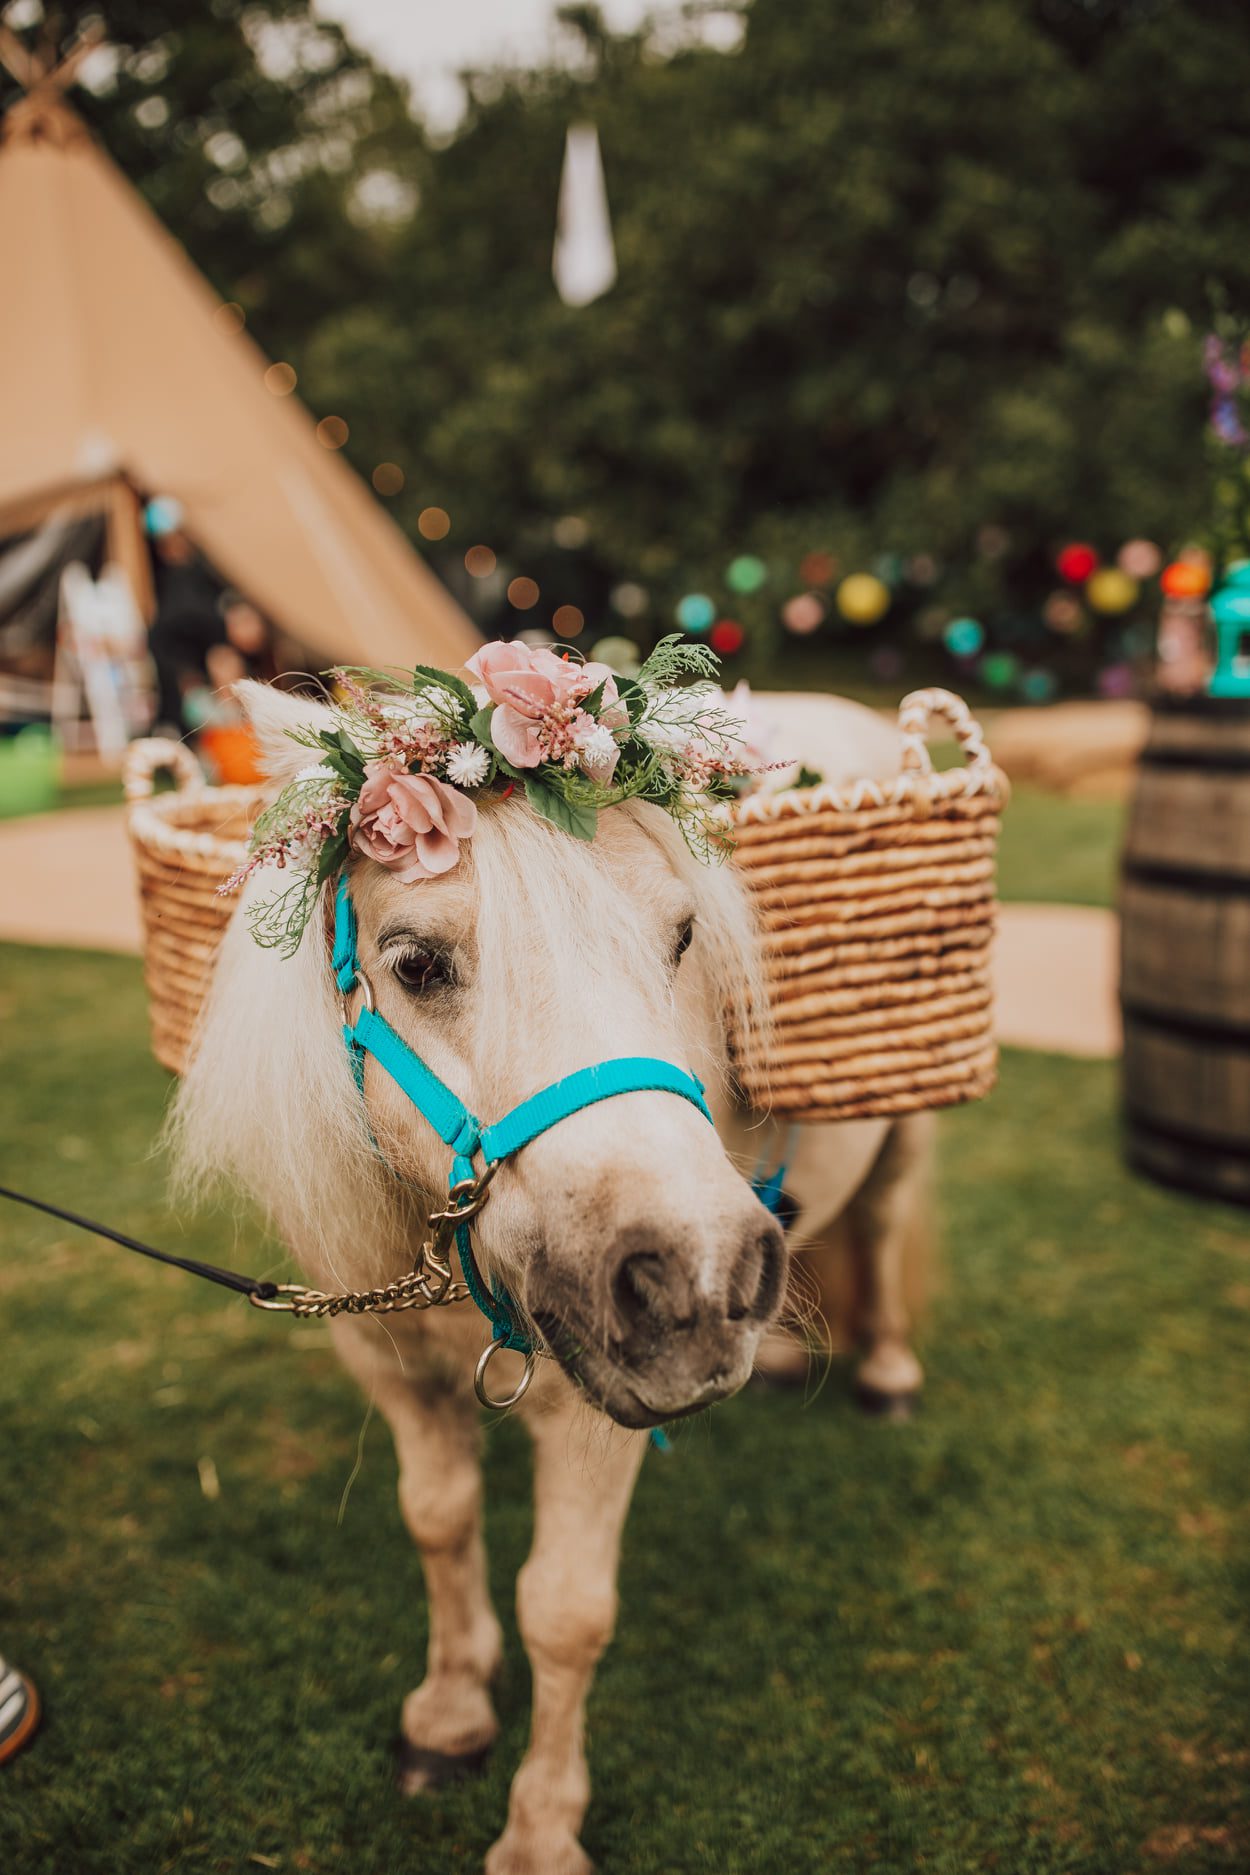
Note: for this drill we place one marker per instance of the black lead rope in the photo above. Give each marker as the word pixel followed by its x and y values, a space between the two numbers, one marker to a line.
pixel 229 1279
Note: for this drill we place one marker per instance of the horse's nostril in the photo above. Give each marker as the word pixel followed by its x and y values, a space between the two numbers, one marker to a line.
pixel 755 1286
pixel 637 1287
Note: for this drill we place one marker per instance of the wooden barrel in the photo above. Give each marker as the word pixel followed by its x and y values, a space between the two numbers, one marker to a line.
pixel 1185 949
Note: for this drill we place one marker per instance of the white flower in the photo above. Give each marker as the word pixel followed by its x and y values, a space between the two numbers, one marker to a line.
pixel 318 771
pixel 468 764
pixel 415 709
pixel 597 751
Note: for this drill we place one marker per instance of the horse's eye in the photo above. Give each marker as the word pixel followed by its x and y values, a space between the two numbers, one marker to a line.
pixel 420 970
pixel 683 940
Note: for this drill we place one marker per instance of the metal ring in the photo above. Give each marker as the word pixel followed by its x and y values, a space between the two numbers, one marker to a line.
pixel 488 1353
pixel 363 984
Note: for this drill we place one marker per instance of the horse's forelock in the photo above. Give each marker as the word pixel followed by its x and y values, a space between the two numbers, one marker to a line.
pixel 269 1101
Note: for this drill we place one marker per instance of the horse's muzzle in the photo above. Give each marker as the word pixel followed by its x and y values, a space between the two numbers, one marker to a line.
pixel 663 1337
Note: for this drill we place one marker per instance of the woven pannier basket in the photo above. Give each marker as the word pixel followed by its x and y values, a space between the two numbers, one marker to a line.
pixel 876 902
pixel 186 843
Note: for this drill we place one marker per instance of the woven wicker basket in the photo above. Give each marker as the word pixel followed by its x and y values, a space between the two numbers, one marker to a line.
pixel 876 902
pixel 186 843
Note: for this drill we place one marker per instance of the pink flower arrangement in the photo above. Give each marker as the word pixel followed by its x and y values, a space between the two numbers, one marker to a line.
pixel 411 824
pixel 538 717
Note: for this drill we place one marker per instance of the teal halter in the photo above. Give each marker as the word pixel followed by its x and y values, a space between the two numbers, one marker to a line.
pixel 371 1034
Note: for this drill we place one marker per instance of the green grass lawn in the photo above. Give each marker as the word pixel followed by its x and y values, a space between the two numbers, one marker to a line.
pixel 1055 847
pixel 1007 1636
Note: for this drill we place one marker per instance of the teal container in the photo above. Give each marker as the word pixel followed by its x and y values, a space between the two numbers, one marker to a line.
pixel 1230 609
pixel 29 771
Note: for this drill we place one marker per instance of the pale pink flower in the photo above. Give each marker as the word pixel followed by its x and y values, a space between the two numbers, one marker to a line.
pixel 535 693
pixel 411 824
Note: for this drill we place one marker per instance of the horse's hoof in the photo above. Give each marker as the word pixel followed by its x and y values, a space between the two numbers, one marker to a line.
pixel 419 1769
pixel 882 1405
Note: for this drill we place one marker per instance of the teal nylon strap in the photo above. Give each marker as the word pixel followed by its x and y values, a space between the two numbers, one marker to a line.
pixel 460 1129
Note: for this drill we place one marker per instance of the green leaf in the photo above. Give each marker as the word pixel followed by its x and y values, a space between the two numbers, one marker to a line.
pixel 333 855
pixel 633 696
pixel 343 756
pixel 551 805
pixel 594 702
pixel 425 677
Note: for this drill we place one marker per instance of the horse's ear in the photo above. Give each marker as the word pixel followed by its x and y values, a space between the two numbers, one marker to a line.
pixel 272 715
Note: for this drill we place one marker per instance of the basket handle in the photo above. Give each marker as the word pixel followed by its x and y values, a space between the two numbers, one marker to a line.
pixel 151 756
pixel 916 715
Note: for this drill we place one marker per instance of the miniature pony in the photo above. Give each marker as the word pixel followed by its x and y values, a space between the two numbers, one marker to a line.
pixel 629 1235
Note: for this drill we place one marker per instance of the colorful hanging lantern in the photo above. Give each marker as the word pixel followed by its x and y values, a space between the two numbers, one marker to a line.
pixel 695 612
pixel 1076 562
pixel 1038 686
pixel 1111 591
pixel 999 669
pixel 746 574
pixel 1140 559
pixel 817 569
pixel 1062 612
pixel 963 637
pixel 862 598
pixel 803 614
pixel 1186 579
pixel 621 655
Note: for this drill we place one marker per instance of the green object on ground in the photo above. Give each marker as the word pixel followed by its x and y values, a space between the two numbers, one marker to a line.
pixel 28 771
pixel 1009 1635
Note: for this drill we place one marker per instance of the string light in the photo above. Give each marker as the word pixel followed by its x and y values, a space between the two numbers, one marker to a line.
pixel 726 637
pixel 229 317
pixel 817 569
pixel 433 523
pixel 480 562
pixel 803 613
pixel 963 637
pixel 746 574
pixel 388 478
pixel 695 612
pixel 567 621
pixel 332 432
pixel 523 593
pixel 280 380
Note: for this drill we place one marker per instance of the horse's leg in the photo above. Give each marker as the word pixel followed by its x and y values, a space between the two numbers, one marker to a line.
pixel 448 1723
pixel 888 1217
pixel 566 1604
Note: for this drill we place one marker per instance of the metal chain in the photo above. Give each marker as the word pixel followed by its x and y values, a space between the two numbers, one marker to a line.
pixel 429 1285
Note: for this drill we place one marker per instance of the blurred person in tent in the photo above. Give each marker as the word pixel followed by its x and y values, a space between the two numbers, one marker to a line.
pixel 204 636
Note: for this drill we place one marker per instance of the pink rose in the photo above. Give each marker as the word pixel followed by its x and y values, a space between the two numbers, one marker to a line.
pixel 411 824
pixel 529 688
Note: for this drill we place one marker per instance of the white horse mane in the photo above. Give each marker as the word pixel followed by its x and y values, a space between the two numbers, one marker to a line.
pixel 269 1101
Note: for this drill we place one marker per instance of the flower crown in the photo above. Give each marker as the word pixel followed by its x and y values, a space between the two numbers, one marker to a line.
pixel 397 772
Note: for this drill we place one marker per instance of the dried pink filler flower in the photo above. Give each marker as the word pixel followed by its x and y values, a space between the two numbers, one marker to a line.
pixel 411 824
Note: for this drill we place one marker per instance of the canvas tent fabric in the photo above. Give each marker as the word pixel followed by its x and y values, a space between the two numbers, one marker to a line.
pixel 116 375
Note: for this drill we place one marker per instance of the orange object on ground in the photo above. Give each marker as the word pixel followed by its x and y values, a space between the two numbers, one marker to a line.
pixel 234 752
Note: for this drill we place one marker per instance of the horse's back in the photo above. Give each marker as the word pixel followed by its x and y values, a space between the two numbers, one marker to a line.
pixel 839 739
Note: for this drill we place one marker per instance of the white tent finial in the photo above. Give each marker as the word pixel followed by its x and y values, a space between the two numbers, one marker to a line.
pixel 584 261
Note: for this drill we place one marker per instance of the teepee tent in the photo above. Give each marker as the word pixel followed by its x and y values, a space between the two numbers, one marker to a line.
pixel 116 379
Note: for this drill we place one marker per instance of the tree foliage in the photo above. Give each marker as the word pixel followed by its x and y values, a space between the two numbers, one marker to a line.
pixel 899 276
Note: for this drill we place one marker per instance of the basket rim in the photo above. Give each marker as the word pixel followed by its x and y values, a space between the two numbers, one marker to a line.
pixel 919 791
pixel 154 823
